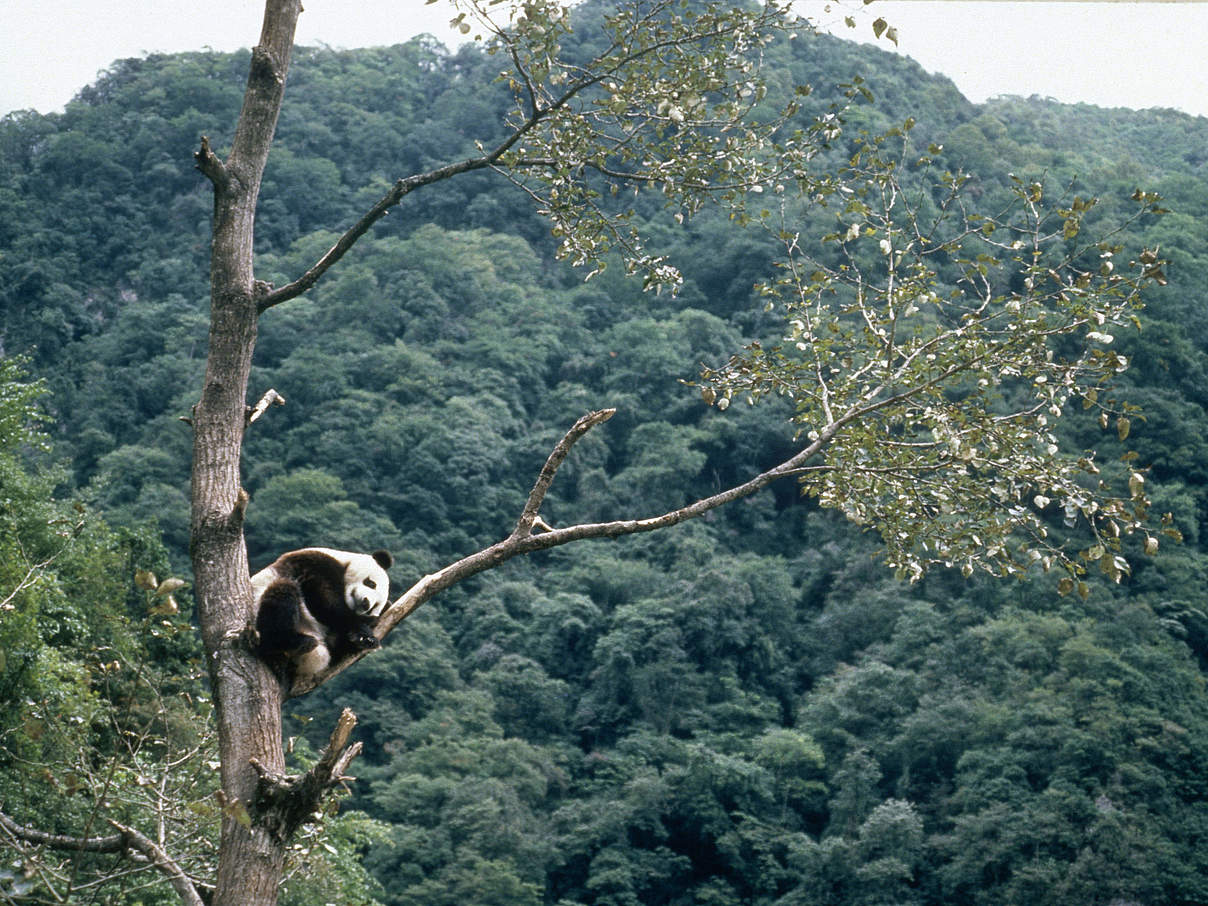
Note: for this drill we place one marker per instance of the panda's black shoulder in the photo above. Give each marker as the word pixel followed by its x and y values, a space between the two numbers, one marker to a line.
pixel 320 576
pixel 309 565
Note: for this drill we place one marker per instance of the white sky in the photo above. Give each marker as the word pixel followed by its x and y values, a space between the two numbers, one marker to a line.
pixel 1114 54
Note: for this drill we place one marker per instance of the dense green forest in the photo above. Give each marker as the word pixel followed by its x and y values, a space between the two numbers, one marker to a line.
pixel 747 709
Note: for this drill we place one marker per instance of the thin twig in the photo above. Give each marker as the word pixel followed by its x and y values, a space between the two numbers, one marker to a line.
pixel 532 506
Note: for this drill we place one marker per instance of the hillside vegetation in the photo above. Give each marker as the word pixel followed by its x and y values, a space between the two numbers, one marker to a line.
pixel 748 709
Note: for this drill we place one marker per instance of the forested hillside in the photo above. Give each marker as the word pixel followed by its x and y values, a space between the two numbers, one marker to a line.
pixel 747 709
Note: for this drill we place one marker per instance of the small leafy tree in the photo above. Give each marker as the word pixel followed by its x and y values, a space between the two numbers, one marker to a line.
pixel 907 396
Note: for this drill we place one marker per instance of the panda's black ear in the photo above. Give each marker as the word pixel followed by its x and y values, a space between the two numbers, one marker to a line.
pixel 383 558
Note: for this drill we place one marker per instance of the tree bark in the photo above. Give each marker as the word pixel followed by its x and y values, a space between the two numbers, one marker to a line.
pixel 247 696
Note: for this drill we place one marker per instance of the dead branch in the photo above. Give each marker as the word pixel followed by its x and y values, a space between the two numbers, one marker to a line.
pixel 286 802
pixel 330 767
pixel 209 164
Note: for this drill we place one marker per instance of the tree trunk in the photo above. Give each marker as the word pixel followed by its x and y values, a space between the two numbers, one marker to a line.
pixel 246 695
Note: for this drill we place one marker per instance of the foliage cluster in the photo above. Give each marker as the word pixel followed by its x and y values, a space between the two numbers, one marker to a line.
pixel 99 687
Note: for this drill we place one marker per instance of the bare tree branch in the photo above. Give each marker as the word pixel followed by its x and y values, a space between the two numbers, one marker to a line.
pixel 113 843
pixel 522 540
pixel 271 397
pixel 532 506
pixel 210 165
pixel 126 840
pixel 514 545
pixel 286 802
pixel 329 770
pixel 401 189
pixel 396 194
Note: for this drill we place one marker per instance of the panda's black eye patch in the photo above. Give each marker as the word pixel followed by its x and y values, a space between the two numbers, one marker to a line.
pixel 369 583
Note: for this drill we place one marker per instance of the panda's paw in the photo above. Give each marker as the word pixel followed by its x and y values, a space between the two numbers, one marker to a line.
pixel 363 641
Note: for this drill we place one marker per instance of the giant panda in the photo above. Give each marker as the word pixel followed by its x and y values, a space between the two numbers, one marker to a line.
pixel 316 606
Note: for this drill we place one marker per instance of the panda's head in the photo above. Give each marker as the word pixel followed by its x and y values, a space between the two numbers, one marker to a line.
pixel 366 585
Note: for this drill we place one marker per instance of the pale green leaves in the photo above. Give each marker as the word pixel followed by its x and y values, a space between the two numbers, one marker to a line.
pixel 672 103
pixel 939 396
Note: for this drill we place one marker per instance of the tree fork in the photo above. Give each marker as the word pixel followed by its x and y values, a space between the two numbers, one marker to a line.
pixel 285 803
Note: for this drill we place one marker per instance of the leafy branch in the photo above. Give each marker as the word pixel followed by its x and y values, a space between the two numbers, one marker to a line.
pixel 948 352
pixel 669 103
pixel 152 787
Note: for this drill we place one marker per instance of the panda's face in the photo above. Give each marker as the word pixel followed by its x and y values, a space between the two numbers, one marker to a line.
pixel 366 585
